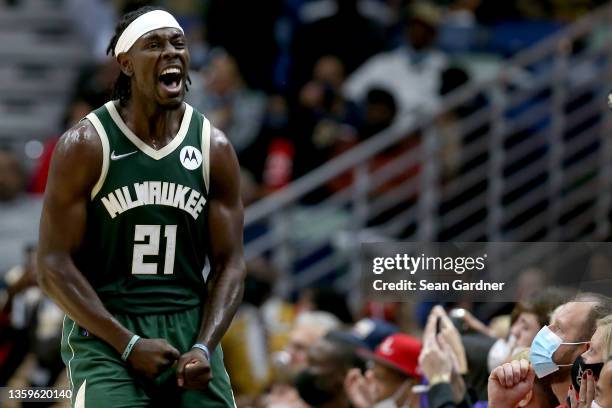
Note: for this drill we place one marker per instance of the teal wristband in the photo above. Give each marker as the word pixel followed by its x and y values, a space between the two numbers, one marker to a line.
pixel 203 348
pixel 129 347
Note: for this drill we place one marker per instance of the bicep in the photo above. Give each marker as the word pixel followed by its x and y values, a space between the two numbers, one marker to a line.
pixel 63 220
pixel 71 177
pixel 225 211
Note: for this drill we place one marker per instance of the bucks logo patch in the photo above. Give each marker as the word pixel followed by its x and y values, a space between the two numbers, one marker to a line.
pixel 190 157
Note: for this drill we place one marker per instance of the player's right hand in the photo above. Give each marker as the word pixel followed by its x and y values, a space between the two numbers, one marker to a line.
pixel 150 357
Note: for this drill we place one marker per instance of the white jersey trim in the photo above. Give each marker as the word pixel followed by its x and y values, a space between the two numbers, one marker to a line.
pixel 72 350
pixel 145 148
pixel 79 401
pixel 105 152
pixel 206 153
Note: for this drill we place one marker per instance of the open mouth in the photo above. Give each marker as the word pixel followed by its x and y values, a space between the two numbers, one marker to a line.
pixel 170 79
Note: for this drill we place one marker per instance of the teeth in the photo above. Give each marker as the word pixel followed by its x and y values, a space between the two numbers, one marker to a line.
pixel 171 70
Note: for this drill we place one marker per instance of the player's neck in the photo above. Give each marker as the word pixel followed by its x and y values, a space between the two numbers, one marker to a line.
pixel 153 124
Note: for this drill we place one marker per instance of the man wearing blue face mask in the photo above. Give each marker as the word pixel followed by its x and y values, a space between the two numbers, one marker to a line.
pixel 559 344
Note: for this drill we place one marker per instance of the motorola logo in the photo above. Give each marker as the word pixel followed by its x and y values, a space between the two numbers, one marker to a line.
pixel 190 157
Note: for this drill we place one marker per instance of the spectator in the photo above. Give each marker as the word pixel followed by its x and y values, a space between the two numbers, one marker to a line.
pixel 373 331
pixel 594 358
pixel 389 381
pixel 585 373
pixel 528 317
pixel 327 300
pixel 379 112
pixel 274 144
pixel 30 324
pixel 229 104
pixel 308 328
pixel 411 72
pixel 603 395
pixel 365 334
pixel 347 34
pixel 19 212
pixel 16 314
pixel 443 361
pixel 323 119
pixel 320 383
pixel 556 347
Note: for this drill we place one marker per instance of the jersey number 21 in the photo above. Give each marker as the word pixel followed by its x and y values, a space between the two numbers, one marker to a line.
pixel 150 247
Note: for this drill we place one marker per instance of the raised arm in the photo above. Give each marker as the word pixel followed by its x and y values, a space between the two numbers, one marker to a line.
pixel 75 169
pixel 225 282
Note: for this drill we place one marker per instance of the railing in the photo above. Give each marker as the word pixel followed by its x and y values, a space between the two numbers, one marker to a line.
pixel 40 57
pixel 532 163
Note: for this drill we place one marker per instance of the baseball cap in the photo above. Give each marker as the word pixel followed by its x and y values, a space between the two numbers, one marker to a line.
pixel 373 331
pixel 365 334
pixel 398 351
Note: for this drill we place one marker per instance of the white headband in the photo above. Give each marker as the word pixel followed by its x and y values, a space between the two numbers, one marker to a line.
pixel 150 21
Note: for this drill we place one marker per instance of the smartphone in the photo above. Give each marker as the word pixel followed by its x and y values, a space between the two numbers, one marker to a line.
pixel 457 316
pixel 438 325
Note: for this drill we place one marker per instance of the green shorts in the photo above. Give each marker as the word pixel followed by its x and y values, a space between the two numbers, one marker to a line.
pixel 99 378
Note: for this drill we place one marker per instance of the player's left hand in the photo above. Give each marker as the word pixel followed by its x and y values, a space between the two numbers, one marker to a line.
pixel 193 370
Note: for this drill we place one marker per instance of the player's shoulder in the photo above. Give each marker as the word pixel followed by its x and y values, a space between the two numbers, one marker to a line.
pixel 219 140
pixel 80 141
pixel 223 159
pixel 221 149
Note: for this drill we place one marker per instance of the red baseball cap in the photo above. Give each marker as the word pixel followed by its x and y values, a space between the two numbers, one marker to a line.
pixel 398 351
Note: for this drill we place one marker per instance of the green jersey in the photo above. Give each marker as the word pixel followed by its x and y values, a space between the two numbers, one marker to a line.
pixel 145 244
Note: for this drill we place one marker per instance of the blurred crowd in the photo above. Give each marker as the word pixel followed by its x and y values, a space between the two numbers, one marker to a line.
pixel 294 83
pixel 551 348
pixel 542 351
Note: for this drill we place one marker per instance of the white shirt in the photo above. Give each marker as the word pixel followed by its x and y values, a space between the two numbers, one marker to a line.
pixel 413 83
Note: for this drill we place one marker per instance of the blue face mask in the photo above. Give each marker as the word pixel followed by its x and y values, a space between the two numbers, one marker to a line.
pixel 544 345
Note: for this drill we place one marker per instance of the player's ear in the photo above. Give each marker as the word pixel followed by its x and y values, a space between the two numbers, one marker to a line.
pixel 125 64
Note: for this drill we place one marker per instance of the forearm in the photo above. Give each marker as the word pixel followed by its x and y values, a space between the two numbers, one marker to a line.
pixel 479 326
pixel 60 279
pixel 225 290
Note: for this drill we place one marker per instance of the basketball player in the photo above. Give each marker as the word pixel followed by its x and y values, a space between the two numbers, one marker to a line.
pixel 140 193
